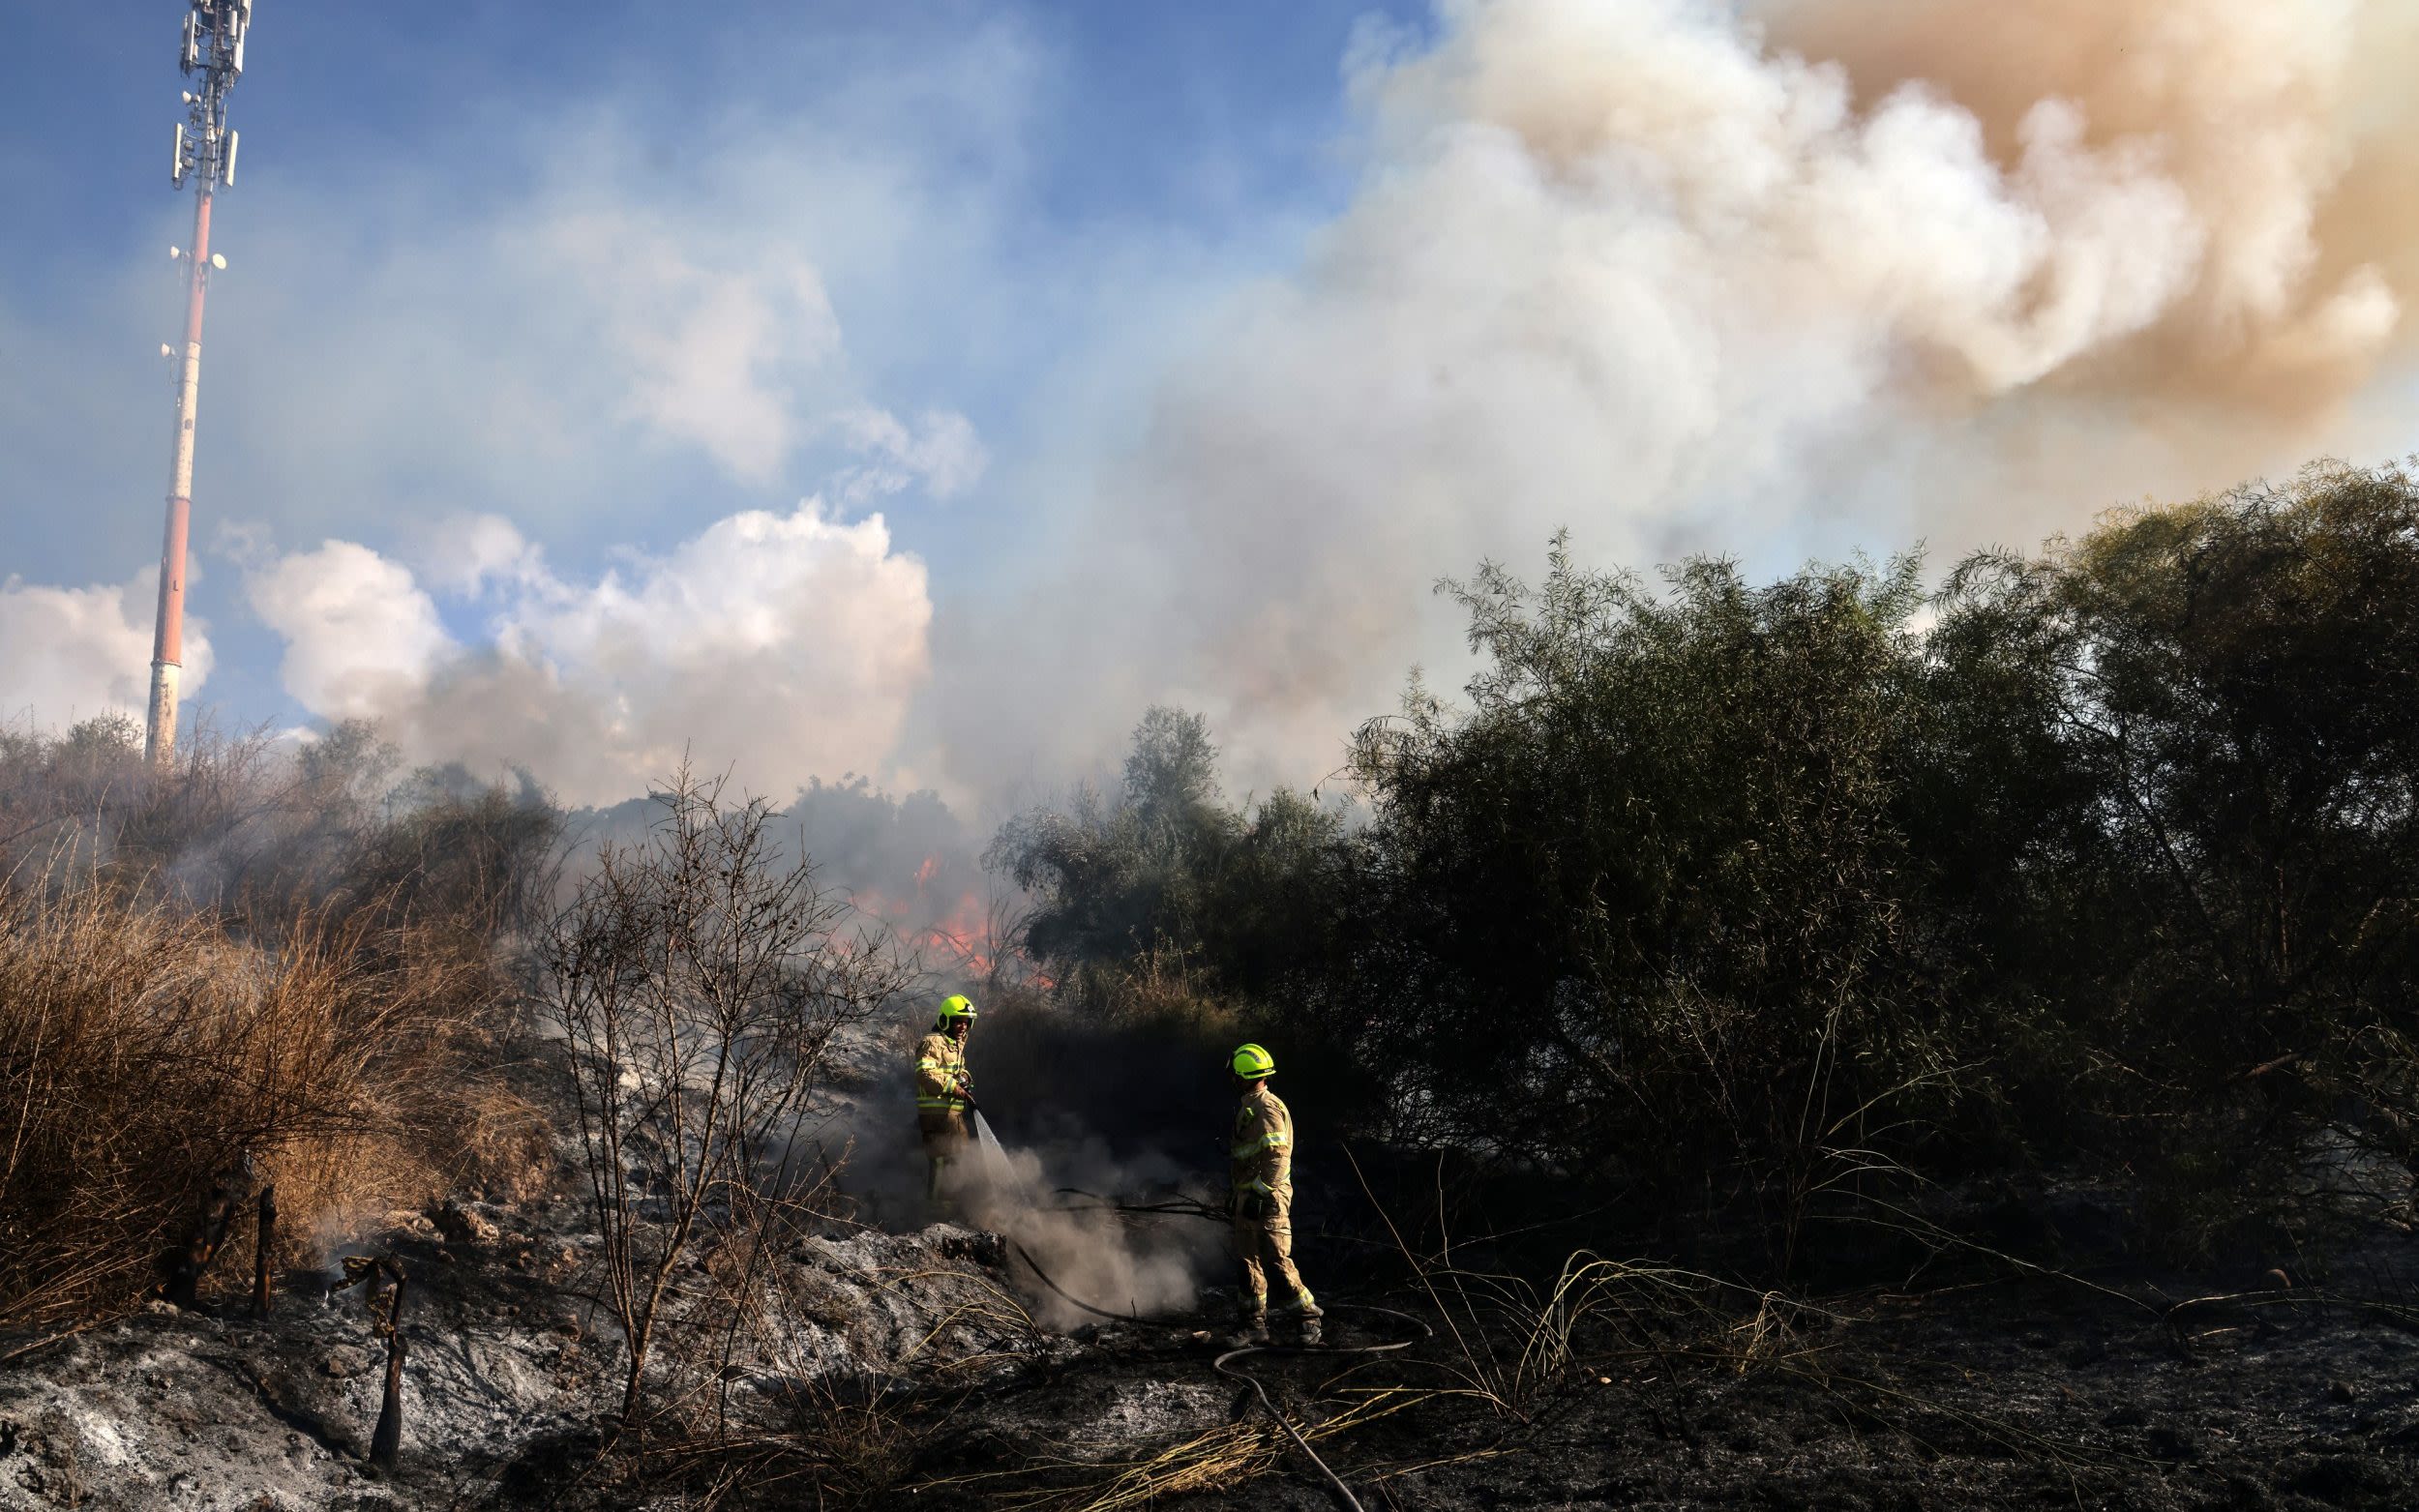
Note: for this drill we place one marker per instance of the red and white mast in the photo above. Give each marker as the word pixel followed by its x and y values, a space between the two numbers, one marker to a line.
pixel 212 49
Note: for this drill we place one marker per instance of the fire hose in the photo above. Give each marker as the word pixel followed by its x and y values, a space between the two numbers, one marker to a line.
pixel 1224 1363
pixel 1223 1366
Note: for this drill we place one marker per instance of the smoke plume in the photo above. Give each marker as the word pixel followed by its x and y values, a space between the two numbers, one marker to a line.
pixel 1055 1193
pixel 1816 275
pixel 1644 269
pixel 2285 130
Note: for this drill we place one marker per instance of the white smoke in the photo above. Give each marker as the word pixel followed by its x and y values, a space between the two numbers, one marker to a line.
pixel 1958 271
pixel 68 654
pixel 784 646
pixel 1627 266
pixel 715 347
pixel 941 453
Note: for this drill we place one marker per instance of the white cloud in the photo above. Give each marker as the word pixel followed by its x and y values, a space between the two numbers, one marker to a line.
pixel 359 631
pixel 787 646
pixel 68 654
pixel 461 554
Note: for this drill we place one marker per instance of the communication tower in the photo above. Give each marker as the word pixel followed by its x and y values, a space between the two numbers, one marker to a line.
pixel 211 53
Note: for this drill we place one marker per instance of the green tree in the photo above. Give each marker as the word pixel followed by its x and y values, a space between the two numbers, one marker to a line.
pixel 2202 815
pixel 1645 899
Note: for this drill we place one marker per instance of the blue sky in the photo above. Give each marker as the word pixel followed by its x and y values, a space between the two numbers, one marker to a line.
pixel 921 390
pixel 1071 142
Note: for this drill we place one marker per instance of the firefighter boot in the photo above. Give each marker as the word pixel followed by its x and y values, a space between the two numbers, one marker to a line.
pixel 1306 1314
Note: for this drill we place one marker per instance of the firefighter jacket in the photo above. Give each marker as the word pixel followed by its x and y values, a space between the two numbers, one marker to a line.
pixel 1262 1155
pixel 941 1077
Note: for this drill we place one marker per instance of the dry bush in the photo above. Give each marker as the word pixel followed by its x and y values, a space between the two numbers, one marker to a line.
pixel 247 825
pixel 699 978
pixel 147 1049
pixel 201 823
pixel 1146 1019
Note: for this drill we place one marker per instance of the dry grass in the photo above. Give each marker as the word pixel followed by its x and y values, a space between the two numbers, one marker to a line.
pixel 145 1049
pixel 1226 1456
pixel 267 954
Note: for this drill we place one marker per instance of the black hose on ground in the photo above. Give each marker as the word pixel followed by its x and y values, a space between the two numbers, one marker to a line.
pixel 1335 1481
pixel 1175 1208
pixel 1224 1363
pixel 1035 1267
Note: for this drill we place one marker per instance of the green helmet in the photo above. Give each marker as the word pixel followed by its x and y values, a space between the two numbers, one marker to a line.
pixel 1251 1063
pixel 957 1005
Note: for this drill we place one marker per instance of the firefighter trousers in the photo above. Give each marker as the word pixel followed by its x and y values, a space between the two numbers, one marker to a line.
pixel 1266 1247
pixel 946 1133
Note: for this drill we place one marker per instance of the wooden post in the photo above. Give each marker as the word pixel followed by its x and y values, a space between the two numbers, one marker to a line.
pixel 264 1244
pixel 387 1439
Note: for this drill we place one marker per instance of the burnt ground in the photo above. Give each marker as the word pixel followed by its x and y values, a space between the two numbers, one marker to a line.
pixel 908 1371
pixel 2014 1393
pixel 1992 1390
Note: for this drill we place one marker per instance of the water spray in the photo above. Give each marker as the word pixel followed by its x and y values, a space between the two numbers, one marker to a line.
pixel 994 1159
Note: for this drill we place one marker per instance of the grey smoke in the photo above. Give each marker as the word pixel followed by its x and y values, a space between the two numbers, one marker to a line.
pixel 1640 268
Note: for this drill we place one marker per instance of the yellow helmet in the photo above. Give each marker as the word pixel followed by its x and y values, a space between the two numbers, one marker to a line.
pixel 957 1005
pixel 1251 1063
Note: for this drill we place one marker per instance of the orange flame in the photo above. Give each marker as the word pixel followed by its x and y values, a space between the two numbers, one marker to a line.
pixel 961 939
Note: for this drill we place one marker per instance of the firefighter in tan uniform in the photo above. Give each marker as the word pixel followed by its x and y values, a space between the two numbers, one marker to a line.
pixel 1262 1173
pixel 945 1094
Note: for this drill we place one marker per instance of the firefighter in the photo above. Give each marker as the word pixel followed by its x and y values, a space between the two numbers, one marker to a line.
pixel 1262 1173
pixel 944 1093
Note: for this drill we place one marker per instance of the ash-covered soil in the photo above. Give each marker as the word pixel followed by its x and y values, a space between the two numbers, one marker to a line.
pixel 510 1368
pixel 935 1365
pixel 2040 1394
